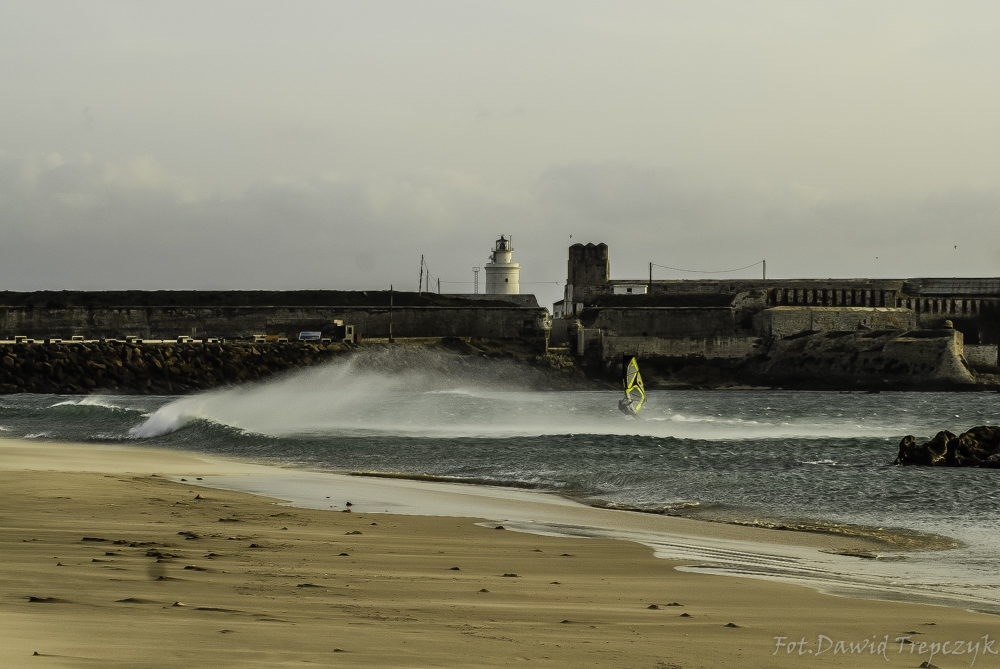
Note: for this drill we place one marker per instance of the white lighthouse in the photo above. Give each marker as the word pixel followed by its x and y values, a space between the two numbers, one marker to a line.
pixel 501 274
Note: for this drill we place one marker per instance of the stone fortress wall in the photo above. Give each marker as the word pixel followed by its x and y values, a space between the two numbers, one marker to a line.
pixel 245 322
pixel 167 315
pixel 935 329
pixel 901 332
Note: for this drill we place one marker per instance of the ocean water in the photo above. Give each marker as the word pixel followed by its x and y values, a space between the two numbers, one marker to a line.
pixel 751 456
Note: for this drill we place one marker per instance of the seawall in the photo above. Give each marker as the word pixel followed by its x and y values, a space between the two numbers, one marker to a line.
pixel 241 315
pixel 225 322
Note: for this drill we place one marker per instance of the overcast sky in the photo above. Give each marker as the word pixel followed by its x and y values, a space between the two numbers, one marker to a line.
pixel 256 145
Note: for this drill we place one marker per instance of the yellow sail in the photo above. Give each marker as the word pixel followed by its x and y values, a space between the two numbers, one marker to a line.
pixel 635 393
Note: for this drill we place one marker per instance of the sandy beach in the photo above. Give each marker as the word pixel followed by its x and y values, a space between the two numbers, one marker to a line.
pixel 107 561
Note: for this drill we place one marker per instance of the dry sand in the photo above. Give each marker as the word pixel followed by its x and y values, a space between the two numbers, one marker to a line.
pixel 103 564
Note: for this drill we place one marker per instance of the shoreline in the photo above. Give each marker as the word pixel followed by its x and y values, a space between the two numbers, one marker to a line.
pixel 757 549
pixel 886 539
pixel 259 583
pixel 858 566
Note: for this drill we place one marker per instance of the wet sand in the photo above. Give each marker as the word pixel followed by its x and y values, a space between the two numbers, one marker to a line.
pixel 104 564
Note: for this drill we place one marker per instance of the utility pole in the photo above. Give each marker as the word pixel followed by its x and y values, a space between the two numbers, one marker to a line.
pixel 767 292
pixel 650 291
pixel 420 283
pixel 390 313
pixel 439 285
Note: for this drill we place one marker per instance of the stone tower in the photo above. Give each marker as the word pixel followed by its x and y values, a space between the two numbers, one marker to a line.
pixel 587 273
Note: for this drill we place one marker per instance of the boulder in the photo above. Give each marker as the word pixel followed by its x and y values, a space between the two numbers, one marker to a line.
pixel 979 447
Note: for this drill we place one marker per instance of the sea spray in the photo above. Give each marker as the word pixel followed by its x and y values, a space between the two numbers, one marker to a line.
pixel 411 392
pixel 168 419
pixel 397 391
pixel 414 392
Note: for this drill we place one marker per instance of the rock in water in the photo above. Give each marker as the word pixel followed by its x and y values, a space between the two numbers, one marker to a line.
pixel 979 447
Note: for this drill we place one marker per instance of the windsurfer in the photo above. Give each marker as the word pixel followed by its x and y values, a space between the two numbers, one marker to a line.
pixel 635 395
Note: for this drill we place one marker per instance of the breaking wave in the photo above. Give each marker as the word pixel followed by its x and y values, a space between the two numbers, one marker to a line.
pixel 441 394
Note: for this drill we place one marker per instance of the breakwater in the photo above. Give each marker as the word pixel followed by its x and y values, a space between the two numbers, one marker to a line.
pixel 167 368
pixel 154 368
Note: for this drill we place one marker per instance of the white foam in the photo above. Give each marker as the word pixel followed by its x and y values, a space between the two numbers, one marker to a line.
pixel 89 400
pixel 167 419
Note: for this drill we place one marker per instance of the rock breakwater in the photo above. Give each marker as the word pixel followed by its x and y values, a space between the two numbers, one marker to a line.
pixel 169 368
pixel 979 447
pixel 153 368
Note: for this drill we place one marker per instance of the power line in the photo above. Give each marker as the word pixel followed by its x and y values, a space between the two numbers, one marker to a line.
pixel 558 283
pixel 701 271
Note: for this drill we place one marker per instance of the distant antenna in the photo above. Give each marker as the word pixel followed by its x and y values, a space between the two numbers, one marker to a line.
pixel 475 280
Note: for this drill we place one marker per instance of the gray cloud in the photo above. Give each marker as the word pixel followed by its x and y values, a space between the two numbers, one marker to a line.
pixel 87 223
pixel 243 145
pixel 653 215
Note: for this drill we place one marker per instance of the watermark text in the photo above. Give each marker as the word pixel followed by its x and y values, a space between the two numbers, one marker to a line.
pixel 883 647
